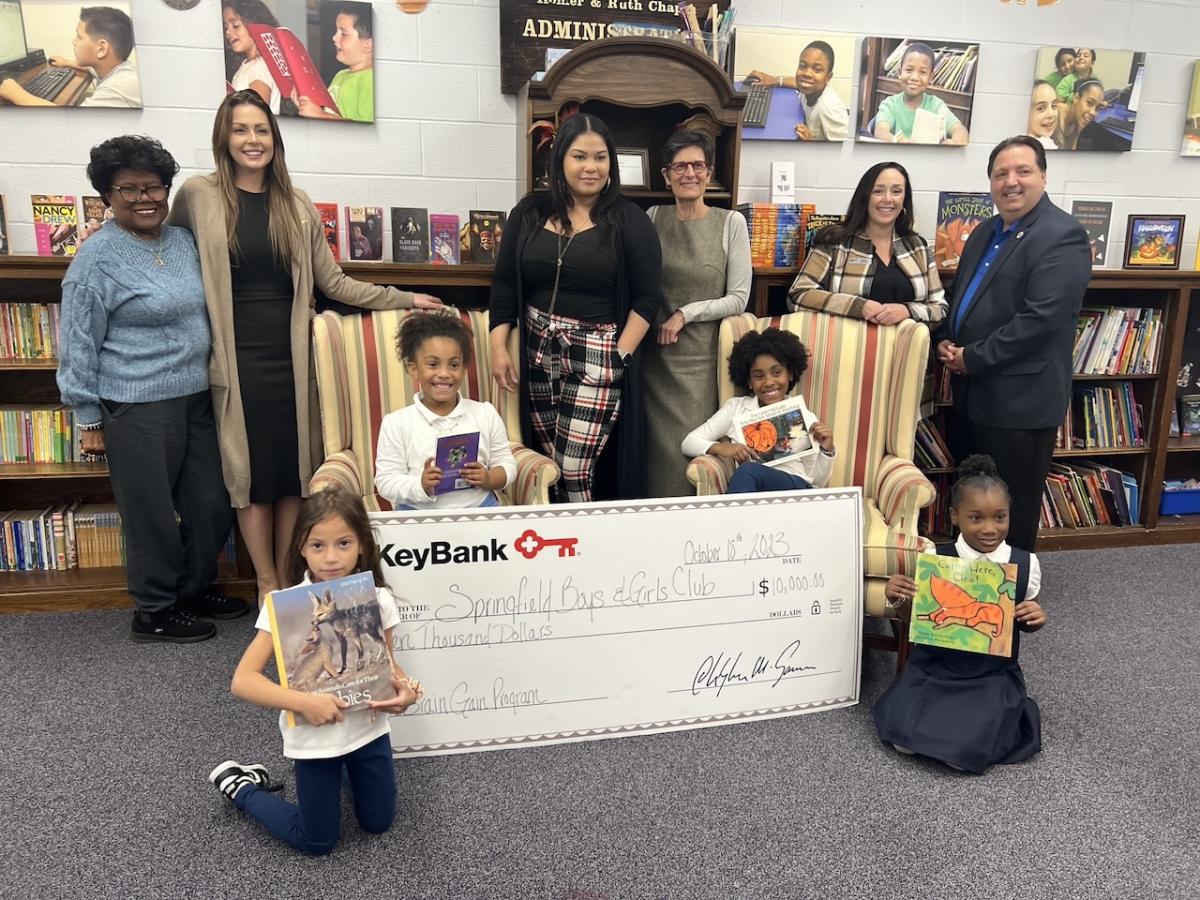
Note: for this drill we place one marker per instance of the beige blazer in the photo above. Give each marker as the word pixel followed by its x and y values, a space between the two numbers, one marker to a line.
pixel 199 208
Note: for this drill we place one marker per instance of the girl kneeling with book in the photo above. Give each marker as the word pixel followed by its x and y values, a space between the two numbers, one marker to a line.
pixel 969 710
pixel 418 462
pixel 767 365
pixel 332 539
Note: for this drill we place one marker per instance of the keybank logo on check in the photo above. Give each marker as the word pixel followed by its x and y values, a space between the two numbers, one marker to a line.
pixel 437 553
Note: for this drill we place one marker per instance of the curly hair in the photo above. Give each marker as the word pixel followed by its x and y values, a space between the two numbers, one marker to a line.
pixel 129 151
pixel 417 328
pixel 977 472
pixel 783 345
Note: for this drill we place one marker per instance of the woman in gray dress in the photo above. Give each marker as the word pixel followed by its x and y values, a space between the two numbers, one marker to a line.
pixel 706 277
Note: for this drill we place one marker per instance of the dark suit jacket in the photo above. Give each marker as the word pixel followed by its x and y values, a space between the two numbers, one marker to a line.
pixel 1019 330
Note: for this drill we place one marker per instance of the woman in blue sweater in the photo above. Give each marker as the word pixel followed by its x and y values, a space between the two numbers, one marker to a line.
pixel 133 366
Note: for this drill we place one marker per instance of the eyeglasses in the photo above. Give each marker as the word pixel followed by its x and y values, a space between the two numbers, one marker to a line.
pixel 680 167
pixel 132 194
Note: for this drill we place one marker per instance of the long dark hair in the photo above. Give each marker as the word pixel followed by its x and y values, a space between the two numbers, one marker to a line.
pixel 558 204
pixel 857 213
pixel 334 501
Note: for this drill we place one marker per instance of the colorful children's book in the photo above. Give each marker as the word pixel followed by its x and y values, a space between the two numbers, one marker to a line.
pixel 964 604
pixel 1096 217
pixel 364 232
pixel 1153 242
pixel 813 223
pixel 55 224
pixel 329 222
pixel 410 234
pixel 443 237
pixel 3 229
pixel 486 228
pixel 329 640
pixel 958 215
pixel 453 452
pixel 776 432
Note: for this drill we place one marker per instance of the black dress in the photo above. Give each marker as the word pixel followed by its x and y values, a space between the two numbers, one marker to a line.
pixel 970 710
pixel 262 328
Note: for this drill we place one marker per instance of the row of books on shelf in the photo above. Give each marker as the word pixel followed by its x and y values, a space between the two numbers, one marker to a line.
pixel 39 434
pixel 75 535
pixel 781 234
pixel 1087 495
pixel 1185 418
pixel 1117 341
pixel 953 67
pixel 1102 416
pixel 61 223
pixel 930 449
pixel 29 330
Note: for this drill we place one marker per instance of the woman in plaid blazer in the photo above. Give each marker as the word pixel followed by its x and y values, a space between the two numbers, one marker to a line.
pixel 874 266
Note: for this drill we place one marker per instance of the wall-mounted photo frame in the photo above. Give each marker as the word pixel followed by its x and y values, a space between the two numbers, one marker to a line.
pixel 1085 99
pixel 916 90
pixel 1153 242
pixel 1191 123
pixel 633 167
pixel 802 80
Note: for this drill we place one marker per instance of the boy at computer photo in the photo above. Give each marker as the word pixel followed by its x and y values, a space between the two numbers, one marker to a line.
pixel 103 44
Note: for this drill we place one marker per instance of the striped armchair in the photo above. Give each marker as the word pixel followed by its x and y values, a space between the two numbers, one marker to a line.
pixel 864 382
pixel 360 379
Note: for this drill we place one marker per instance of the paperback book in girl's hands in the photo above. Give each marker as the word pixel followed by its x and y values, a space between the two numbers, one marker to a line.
pixel 964 604
pixel 453 452
pixel 329 639
pixel 776 432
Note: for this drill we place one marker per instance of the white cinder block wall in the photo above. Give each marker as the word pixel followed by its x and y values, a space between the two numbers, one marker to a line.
pixel 445 137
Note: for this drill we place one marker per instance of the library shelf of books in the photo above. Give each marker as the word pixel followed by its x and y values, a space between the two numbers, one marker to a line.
pixel 643 89
pixel 60 536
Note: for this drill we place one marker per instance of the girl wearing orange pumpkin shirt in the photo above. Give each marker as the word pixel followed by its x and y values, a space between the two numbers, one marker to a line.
pixel 767 365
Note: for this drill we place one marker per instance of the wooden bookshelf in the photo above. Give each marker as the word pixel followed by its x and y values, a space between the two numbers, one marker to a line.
pixel 37 279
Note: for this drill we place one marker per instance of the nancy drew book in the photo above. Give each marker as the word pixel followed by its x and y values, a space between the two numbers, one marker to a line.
pixel 486 229
pixel 776 432
pixel 329 224
pixel 958 215
pixel 329 639
pixel 443 237
pixel 453 452
pixel 964 604
pixel 55 224
pixel 410 234
pixel 1096 217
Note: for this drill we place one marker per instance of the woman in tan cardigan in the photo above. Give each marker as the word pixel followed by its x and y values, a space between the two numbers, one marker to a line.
pixel 262 250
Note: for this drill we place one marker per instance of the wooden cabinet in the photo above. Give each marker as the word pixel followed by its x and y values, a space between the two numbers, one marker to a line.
pixel 643 89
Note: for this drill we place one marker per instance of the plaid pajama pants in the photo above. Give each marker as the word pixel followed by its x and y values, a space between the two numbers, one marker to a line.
pixel 574 393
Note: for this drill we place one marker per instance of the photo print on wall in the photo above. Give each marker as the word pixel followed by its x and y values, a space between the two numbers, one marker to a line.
pixel 917 91
pixel 799 84
pixel 1083 98
pixel 310 58
pixel 57 54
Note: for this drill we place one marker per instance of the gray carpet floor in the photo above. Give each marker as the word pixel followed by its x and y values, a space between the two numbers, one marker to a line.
pixel 106 745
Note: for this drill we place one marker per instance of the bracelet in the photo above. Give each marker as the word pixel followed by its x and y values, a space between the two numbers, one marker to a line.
pixel 91 426
pixel 832 452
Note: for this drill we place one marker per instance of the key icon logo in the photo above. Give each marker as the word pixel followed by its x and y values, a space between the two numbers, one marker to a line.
pixel 530 544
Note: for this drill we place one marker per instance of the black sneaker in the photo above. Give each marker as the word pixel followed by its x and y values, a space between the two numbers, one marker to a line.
pixel 212 604
pixel 173 626
pixel 231 776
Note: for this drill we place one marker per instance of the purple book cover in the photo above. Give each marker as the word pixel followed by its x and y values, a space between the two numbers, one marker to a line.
pixel 453 452
pixel 444 241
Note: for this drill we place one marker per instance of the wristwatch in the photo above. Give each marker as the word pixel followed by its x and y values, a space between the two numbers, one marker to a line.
pixel 625 357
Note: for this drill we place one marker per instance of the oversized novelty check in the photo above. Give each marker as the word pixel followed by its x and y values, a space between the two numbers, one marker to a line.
pixel 539 625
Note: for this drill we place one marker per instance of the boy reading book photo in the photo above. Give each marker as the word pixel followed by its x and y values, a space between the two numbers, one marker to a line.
pixel 352 88
pixel 414 455
pixel 915 114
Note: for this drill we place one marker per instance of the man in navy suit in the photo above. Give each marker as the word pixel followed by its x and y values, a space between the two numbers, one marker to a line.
pixel 1009 334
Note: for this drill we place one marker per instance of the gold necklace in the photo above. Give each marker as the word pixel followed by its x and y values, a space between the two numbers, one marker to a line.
pixel 157 251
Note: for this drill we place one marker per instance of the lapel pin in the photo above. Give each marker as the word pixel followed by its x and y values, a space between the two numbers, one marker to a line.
pixel 1020 234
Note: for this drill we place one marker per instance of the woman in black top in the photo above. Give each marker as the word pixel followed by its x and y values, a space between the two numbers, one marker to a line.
pixel 579 271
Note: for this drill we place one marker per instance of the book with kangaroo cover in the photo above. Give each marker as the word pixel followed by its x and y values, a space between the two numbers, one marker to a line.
pixel 964 604
pixel 329 639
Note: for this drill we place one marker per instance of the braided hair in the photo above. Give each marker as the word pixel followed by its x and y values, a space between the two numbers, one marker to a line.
pixel 977 473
